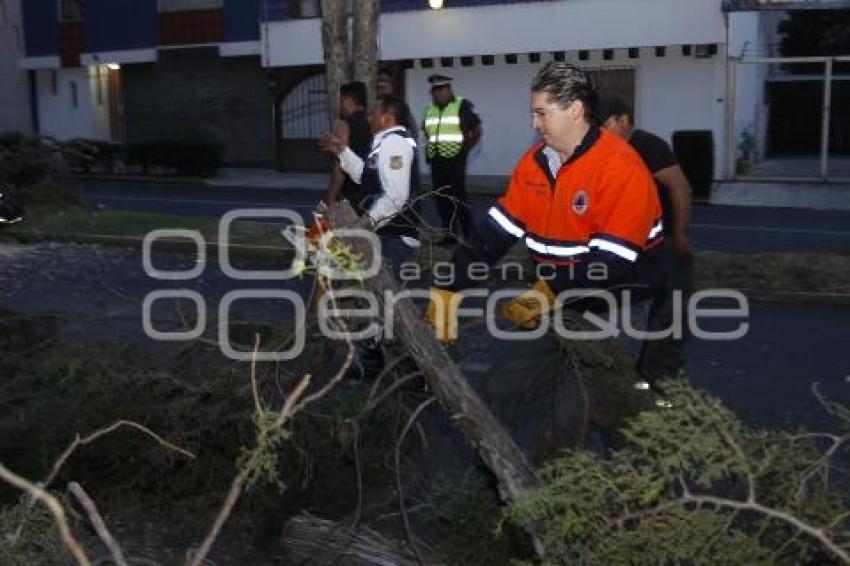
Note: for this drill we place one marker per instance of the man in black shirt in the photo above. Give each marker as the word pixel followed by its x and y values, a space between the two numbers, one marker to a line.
pixel 353 131
pixel 660 357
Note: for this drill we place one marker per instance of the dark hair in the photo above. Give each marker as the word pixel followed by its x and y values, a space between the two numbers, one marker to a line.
pixel 393 105
pixel 388 70
pixel 614 105
pixel 356 91
pixel 565 83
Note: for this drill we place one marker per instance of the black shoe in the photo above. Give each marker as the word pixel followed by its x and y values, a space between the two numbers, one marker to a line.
pixel 10 213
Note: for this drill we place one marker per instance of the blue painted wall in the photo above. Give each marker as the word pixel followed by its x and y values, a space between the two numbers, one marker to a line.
pixel 41 34
pixel 115 25
pixel 242 20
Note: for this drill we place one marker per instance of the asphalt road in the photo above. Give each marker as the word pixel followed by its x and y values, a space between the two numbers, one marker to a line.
pixel 719 228
pixel 98 293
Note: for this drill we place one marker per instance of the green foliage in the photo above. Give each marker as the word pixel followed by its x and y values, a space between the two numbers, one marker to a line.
pixel 25 160
pixel 49 395
pixel 467 512
pixel 32 169
pixel 38 540
pixel 88 155
pixel 647 502
pixel 262 461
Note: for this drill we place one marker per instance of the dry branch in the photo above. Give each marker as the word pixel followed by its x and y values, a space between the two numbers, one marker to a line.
pixel 97 522
pixel 55 508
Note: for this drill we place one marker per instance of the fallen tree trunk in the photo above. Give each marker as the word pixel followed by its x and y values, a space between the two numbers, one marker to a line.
pixel 308 539
pixel 486 435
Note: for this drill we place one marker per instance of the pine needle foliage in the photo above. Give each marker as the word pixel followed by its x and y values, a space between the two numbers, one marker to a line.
pixel 691 484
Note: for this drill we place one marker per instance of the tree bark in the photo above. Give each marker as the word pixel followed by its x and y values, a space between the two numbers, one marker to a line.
pixel 335 46
pixel 364 53
pixel 486 435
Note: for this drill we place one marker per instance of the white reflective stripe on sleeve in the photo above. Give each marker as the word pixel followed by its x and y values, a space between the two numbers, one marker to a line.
pixel 656 229
pixel 617 249
pixel 444 120
pixel 505 222
pixel 456 138
pixel 567 251
pixel 560 251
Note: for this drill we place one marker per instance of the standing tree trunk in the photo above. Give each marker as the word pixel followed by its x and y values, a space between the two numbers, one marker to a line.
pixel 335 46
pixel 364 51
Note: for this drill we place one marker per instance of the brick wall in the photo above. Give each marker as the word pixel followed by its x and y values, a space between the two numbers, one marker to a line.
pixel 195 89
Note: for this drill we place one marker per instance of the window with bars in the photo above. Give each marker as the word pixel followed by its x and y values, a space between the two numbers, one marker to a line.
pixel 304 112
pixel 614 81
pixel 182 5
pixel 72 10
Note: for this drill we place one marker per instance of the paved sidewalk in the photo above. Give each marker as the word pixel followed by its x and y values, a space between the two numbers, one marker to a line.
pixel 817 196
pixel 267 178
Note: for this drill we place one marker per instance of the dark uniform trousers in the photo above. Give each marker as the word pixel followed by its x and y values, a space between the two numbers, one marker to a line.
pixel 449 175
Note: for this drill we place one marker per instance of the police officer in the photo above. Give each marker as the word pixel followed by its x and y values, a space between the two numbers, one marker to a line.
pixel 452 129
pixel 384 179
pixel 386 85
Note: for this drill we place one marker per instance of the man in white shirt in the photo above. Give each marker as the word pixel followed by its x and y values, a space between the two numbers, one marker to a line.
pixel 385 179
pixel 385 176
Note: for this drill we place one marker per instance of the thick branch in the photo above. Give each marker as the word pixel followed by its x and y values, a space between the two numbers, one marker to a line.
pixel 98 523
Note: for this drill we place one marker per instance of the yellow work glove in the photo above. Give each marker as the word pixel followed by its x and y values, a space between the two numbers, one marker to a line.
pixel 442 314
pixel 525 310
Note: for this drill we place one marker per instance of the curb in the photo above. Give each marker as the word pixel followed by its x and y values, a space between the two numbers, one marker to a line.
pixel 168 245
pixel 149 179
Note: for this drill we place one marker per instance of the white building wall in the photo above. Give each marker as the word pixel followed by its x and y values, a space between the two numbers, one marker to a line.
pixel 15 112
pixel 672 93
pixel 746 40
pixel 514 28
pixel 64 116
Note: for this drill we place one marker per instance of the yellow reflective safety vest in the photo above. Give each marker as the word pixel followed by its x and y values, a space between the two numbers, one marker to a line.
pixel 442 129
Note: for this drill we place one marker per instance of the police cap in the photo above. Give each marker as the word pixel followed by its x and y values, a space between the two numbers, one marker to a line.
pixel 438 81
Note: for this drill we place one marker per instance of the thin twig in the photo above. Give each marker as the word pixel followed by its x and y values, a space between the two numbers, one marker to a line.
pixel 395 386
pixel 699 499
pixel 98 523
pixel 238 485
pixel 823 460
pixel 80 441
pixel 254 391
pixel 39 494
pixel 408 531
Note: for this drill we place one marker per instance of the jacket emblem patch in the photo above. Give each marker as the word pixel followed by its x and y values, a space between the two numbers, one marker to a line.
pixel 581 202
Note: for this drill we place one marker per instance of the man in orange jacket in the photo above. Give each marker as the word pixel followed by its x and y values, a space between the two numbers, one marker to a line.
pixel 581 201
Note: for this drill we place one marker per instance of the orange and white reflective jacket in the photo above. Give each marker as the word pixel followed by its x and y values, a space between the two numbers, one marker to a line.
pixel 601 205
pixel 602 198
